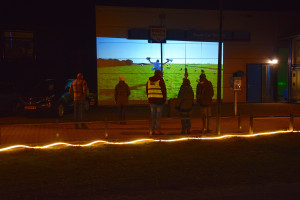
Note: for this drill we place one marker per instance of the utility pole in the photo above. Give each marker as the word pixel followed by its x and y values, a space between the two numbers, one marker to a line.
pixel 219 71
pixel 162 17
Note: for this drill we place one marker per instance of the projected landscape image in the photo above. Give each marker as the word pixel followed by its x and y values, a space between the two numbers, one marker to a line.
pixel 135 60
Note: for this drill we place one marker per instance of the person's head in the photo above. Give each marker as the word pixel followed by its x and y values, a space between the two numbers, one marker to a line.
pixel 158 73
pixel 121 78
pixel 80 76
pixel 157 60
pixel 186 81
pixel 202 77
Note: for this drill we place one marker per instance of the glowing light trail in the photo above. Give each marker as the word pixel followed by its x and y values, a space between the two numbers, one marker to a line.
pixel 146 140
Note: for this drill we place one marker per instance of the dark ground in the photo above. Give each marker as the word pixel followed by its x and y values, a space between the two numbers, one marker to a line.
pixel 43 130
pixel 142 112
pixel 264 167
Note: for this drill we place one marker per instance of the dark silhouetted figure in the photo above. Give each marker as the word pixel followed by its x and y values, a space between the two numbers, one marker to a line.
pixel 122 93
pixel 79 89
pixel 204 94
pixel 184 105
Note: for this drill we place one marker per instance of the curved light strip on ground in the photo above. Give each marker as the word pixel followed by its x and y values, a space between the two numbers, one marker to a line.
pixel 145 140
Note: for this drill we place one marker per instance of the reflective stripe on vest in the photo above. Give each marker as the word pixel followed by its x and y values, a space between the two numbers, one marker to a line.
pixel 154 89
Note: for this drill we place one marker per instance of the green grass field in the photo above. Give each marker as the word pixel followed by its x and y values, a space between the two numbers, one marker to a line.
pixel 136 77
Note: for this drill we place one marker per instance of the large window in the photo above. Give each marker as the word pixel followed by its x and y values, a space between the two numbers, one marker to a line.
pixel 131 59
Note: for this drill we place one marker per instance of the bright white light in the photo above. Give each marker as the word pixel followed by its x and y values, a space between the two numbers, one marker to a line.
pixel 274 61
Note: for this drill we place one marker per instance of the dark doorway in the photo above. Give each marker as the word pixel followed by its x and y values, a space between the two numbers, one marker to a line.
pixel 269 83
pixel 254 87
pixel 261 83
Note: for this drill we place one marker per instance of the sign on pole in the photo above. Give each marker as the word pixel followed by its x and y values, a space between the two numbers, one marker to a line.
pixel 158 35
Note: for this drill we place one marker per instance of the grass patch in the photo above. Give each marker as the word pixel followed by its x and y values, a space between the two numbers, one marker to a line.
pixel 136 77
pixel 148 171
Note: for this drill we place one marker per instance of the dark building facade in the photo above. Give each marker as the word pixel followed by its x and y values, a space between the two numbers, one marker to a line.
pixel 57 39
pixel 54 39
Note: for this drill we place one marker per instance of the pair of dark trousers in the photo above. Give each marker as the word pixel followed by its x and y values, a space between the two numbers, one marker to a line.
pixel 205 123
pixel 122 109
pixel 185 122
pixel 79 110
pixel 156 114
pixel 205 113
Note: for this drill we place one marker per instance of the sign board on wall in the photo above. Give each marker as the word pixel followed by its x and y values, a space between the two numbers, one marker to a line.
pixel 158 35
pixel 155 35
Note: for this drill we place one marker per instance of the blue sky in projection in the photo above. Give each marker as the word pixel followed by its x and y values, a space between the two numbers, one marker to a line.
pixel 181 52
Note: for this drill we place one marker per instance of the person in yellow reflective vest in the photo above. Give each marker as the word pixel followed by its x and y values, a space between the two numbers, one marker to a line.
pixel 157 95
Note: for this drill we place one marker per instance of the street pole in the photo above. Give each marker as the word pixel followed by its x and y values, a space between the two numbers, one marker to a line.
pixel 219 71
pixel 162 17
pixel 161 58
pixel 235 103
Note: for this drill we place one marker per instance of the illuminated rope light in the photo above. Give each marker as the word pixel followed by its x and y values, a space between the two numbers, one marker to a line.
pixel 146 140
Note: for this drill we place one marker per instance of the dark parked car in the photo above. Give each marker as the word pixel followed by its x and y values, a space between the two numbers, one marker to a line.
pixel 9 98
pixel 50 97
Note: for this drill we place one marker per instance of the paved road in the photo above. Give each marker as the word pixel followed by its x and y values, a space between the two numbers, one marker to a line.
pixel 41 129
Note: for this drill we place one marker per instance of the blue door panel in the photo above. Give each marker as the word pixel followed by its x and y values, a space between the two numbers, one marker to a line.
pixel 254 83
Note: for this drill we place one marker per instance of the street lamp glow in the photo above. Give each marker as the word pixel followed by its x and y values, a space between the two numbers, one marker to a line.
pixel 274 61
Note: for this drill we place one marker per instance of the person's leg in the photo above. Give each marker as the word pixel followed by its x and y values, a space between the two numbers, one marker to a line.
pixel 202 115
pixel 82 114
pixel 120 113
pixel 188 124
pixel 204 123
pixel 153 116
pixel 183 126
pixel 80 111
pixel 183 122
pixel 208 118
pixel 123 112
pixel 76 109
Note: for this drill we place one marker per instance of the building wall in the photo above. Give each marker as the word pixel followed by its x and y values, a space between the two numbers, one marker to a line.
pixel 266 29
pixel 64 41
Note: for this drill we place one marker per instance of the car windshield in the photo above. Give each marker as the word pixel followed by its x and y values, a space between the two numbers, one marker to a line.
pixel 68 84
pixel 45 88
